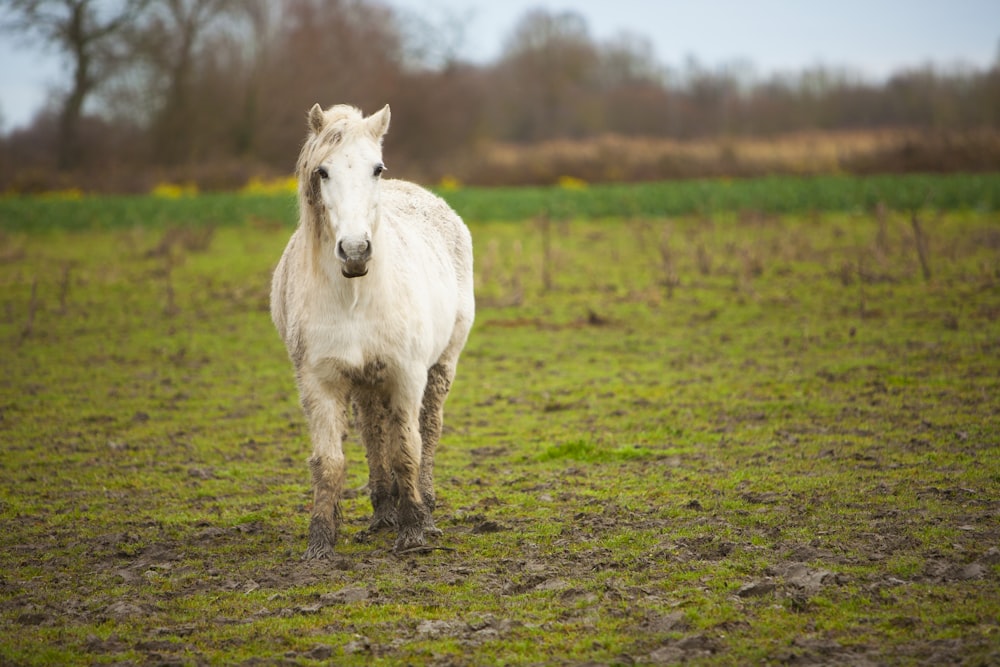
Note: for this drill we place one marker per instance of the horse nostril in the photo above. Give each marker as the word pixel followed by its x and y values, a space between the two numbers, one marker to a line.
pixel 354 250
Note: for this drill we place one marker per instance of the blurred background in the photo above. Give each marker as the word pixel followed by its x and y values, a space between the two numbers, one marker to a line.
pixel 119 95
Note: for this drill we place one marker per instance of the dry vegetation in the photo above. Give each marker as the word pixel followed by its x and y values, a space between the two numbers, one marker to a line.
pixel 626 159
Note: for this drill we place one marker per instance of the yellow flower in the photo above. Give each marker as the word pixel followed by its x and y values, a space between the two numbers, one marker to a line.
pixel 173 191
pixel 571 183
pixel 276 186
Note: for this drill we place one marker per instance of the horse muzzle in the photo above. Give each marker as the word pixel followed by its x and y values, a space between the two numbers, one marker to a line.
pixel 354 255
pixel 354 269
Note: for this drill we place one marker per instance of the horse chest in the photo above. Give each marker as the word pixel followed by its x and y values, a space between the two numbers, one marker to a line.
pixel 354 339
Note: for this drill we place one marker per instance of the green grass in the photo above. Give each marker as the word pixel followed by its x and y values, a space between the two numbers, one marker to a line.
pixel 773 195
pixel 776 194
pixel 652 415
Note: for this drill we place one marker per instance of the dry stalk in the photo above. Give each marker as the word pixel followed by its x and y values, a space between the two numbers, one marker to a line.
pixel 487 265
pixel 516 289
pixel 545 225
pixel 752 268
pixel 862 299
pixel 64 287
pixel 704 260
pixel 667 264
pixel 922 251
pixel 171 308
pixel 29 324
pixel 882 235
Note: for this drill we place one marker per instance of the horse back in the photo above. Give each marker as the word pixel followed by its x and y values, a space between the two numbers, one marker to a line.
pixel 411 207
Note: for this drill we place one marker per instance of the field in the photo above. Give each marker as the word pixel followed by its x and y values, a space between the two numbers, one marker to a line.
pixel 721 423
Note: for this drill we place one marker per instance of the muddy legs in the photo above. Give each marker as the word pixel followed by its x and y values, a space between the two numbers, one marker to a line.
pixel 439 379
pixel 400 447
pixel 372 413
pixel 400 423
pixel 328 484
pixel 405 456
pixel 325 407
pixel 392 446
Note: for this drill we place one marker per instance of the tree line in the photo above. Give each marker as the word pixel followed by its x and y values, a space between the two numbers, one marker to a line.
pixel 216 90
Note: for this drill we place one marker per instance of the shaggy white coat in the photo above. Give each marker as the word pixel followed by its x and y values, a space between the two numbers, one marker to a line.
pixel 373 298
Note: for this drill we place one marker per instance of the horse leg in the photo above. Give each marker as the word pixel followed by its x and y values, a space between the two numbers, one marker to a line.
pixel 439 379
pixel 405 444
pixel 372 418
pixel 325 407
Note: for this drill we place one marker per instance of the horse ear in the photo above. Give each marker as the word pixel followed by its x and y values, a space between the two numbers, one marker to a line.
pixel 316 118
pixel 378 122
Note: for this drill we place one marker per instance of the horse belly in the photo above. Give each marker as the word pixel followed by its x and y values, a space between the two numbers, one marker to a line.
pixel 443 327
pixel 438 308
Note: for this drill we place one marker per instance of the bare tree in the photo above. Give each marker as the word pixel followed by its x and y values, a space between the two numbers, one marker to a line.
pixel 261 18
pixel 629 59
pixel 548 70
pixel 86 31
pixel 433 37
pixel 326 51
pixel 167 44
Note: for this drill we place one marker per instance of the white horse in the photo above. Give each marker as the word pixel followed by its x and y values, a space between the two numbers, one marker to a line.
pixel 373 298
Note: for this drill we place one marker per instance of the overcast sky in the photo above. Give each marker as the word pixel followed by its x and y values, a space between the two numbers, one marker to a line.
pixel 871 37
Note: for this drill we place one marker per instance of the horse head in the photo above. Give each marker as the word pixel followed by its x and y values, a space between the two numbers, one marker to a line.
pixel 340 169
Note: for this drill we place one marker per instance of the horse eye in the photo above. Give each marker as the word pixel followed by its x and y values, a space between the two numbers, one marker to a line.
pixel 379 169
pixel 323 173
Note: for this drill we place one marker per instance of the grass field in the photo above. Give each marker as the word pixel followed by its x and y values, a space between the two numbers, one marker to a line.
pixel 772 195
pixel 742 433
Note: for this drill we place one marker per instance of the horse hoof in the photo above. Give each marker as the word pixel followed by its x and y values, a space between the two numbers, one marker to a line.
pixel 384 521
pixel 408 540
pixel 319 552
